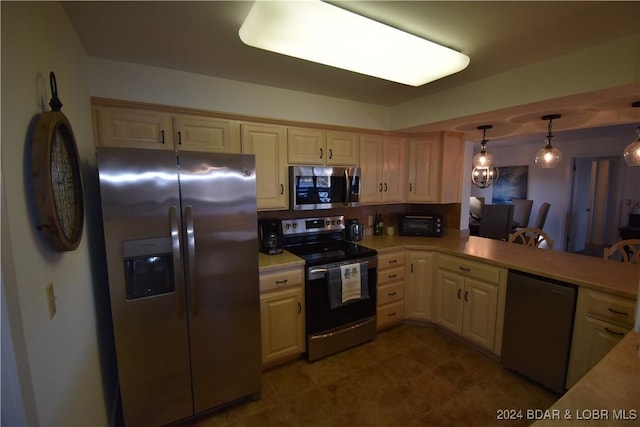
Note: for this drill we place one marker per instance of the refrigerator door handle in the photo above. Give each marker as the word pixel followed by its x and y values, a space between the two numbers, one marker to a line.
pixel 191 259
pixel 177 262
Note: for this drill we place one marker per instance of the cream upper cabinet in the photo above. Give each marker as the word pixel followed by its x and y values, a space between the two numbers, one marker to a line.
pixel 199 133
pixel 382 163
pixel 268 143
pixel 133 128
pixel 469 299
pixel 319 147
pixel 435 167
pixel 343 148
pixel 143 128
pixel 419 284
pixel 602 319
pixel 282 315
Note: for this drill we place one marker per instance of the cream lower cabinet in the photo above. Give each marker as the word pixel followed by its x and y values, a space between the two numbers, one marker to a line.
pixel 282 315
pixel 419 285
pixel 601 321
pixel 469 299
pixel 269 144
pixel 391 283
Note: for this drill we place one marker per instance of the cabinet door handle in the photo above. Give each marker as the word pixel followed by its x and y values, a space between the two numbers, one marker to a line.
pixel 391 314
pixel 614 332
pixel 466 296
pixel 391 294
pixel 162 136
pixel 392 276
pixel 465 269
pixel 330 153
pixel 410 187
pixel 621 313
pixel 281 189
pixel 179 138
pixel 321 153
pixel 380 187
pixel 411 270
pixel 385 187
pixel 459 293
pixel 281 282
pixel 299 307
pixel 393 261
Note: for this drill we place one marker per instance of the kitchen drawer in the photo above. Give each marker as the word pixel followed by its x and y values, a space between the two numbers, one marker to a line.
pixel 390 293
pixel 471 269
pixel 391 275
pixel 610 307
pixel 390 314
pixel 391 260
pixel 281 279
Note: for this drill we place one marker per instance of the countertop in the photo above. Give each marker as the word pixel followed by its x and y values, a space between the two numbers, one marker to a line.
pixel 610 276
pixel 608 395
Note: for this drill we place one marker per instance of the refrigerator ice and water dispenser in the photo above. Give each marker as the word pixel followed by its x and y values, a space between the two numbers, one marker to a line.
pixel 148 267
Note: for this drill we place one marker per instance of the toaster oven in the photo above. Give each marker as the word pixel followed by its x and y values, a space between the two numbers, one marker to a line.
pixel 420 225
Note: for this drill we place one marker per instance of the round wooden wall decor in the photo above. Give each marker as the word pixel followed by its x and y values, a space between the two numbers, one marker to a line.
pixel 57 181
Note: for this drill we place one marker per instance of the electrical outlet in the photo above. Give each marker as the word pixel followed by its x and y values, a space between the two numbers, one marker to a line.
pixel 51 300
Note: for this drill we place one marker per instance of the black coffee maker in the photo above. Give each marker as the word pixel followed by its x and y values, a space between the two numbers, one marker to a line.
pixel 270 236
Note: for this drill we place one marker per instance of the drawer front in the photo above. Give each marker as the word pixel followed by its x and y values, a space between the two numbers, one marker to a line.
pixel 391 260
pixel 280 279
pixel 611 307
pixel 472 269
pixel 390 314
pixel 391 275
pixel 390 293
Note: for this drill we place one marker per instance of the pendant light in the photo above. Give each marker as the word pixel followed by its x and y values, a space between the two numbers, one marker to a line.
pixel 484 173
pixel 632 151
pixel 549 157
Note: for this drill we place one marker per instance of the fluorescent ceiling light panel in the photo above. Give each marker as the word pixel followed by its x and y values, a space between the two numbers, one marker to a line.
pixel 323 33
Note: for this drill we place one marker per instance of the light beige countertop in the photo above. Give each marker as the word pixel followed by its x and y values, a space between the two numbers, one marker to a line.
pixel 283 260
pixel 608 395
pixel 610 276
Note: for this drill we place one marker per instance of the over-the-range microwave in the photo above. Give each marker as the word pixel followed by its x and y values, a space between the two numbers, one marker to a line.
pixel 323 187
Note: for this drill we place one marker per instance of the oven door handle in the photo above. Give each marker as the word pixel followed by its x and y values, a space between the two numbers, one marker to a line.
pixel 319 270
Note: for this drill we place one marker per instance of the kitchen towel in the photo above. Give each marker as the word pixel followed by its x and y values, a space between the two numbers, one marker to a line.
pixel 348 283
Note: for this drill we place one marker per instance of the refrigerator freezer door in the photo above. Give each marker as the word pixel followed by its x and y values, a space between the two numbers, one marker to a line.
pixel 220 234
pixel 140 203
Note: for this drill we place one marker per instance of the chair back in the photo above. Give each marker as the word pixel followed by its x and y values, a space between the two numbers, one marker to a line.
pixel 522 211
pixel 625 250
pixel 496 222
pixel 542 215
pixel 531 237
pixel 475 207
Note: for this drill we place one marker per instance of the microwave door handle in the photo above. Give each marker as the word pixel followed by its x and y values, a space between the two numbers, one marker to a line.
pixel 348 187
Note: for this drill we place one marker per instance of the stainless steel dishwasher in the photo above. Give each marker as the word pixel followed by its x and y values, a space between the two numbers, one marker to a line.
pixel 538 325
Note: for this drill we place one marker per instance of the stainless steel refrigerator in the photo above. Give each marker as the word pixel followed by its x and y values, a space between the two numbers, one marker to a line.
pixel 182 256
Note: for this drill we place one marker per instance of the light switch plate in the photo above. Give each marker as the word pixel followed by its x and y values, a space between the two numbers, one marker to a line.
pixel 51 300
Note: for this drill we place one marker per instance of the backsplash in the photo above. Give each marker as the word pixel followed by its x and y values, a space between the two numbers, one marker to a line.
pixel 450 213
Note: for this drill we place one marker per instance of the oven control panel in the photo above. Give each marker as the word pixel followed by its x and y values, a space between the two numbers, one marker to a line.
pixel 312 225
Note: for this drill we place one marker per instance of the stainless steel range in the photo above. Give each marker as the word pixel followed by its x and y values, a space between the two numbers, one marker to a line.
pixel 340 284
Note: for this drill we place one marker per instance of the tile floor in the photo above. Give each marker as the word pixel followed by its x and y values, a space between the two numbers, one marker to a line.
pixel 408 376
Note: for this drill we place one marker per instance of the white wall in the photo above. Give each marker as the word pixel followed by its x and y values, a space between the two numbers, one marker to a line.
pixel 60 360
pixel 119 80
pixel 554 185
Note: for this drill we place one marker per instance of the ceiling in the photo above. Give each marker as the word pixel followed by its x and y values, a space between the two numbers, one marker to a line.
pixel 202 37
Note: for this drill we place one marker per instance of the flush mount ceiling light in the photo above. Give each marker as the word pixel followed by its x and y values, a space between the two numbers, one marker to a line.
pixel 632 151
pixel 484 173
pixel 549 157
pixel 323 33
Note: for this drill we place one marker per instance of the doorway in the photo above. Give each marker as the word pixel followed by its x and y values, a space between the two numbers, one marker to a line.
pixel 593 213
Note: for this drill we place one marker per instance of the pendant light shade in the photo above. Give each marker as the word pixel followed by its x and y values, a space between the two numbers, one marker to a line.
pixel 549 157
pixel 632 151
pixel 484 173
